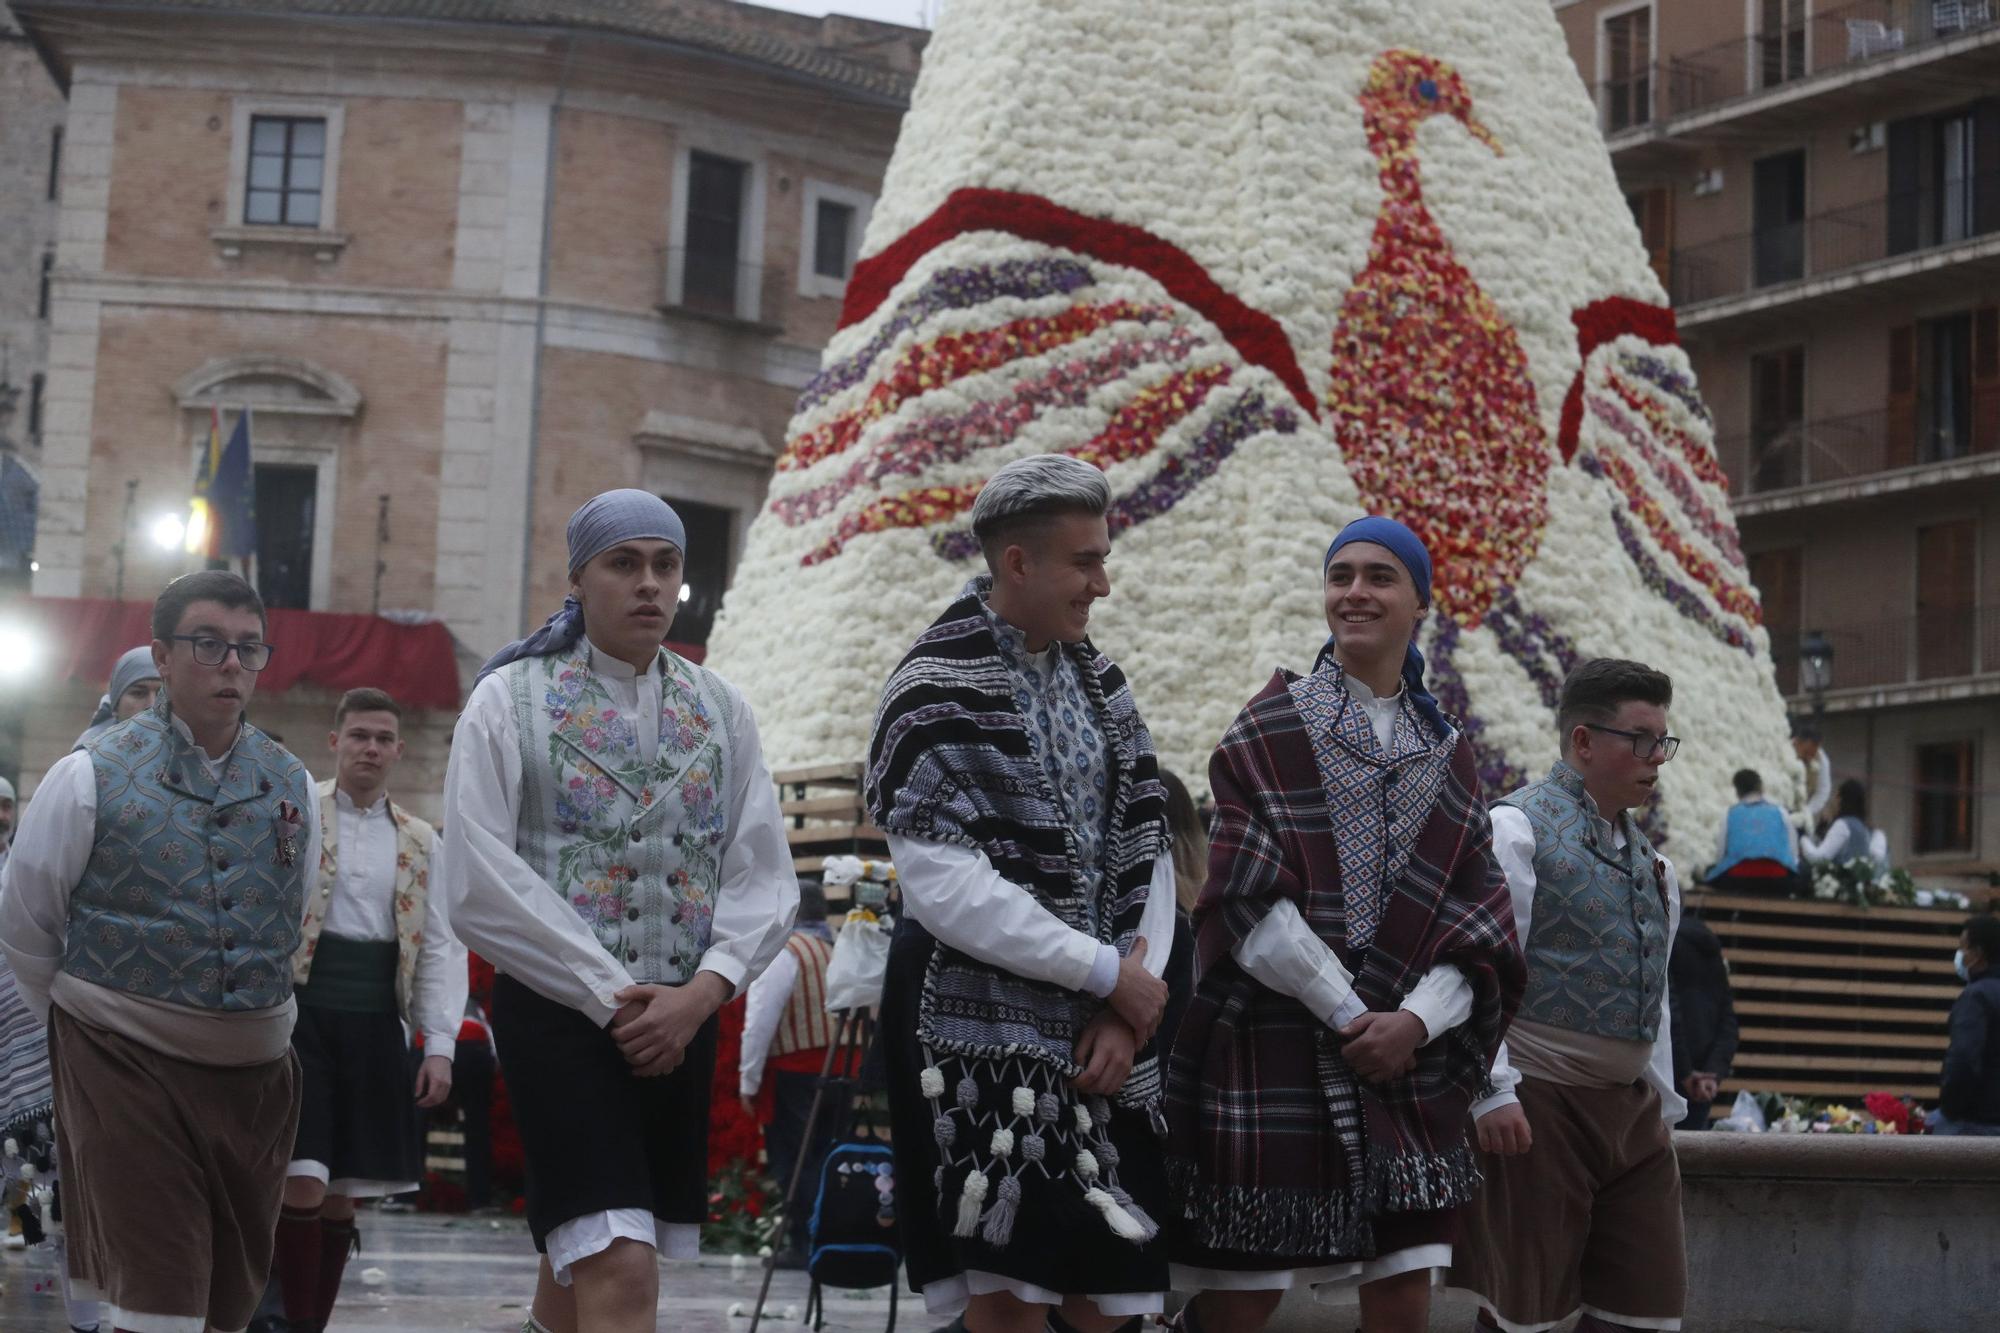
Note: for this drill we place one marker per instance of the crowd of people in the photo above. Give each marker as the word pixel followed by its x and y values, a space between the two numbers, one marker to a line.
pixel 1362 1026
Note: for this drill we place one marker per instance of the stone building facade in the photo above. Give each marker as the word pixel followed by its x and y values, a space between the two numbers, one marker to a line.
pixel 463 274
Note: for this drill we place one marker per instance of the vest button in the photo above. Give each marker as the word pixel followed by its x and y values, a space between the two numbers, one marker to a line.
pixel 631 955
pixel 631 914
pixel 229 987
pixel 636 835
pixel 227 902
pixel 228 940
pixel 222 863
pixel 222 821
pixel 677 839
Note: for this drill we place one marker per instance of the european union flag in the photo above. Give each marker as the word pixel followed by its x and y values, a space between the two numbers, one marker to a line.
pixel 224 522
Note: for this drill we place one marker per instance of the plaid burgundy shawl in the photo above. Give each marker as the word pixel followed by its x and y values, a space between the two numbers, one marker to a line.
pixel 951 761
pixel 1277 1148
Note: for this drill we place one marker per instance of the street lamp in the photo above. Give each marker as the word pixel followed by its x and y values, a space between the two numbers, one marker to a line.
pixel 1816 669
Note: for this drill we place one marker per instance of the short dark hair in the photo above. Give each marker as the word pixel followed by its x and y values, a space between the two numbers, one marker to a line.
pixel 1983 933
pixel 812 901
pixel 206 585
pixel 1854 799
pixel 1593 691
pixel 366 700
pixel 1747 781
pixel 1803 730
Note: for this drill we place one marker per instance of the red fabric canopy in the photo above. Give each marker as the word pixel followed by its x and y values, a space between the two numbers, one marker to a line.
pixel 418 664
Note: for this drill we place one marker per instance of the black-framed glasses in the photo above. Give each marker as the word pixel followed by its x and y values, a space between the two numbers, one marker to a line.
pixel 1644 743
pixel 210 651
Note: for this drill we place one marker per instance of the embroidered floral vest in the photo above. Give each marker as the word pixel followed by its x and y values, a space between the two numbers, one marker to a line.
pixel 1597 946
pixel 412 893
pixel 194 888
pixel 634 849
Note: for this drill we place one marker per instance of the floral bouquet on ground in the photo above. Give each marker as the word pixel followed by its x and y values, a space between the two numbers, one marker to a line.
pixel 1879 1113
pixel 1863 883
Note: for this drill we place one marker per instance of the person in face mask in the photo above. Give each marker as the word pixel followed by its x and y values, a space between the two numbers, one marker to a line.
pixel 1969 1098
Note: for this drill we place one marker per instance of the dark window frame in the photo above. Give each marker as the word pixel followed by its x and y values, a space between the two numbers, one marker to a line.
pixel 43 293
pixel 849 215
pixel 38 384
pixel 55 159
pixel 713 266
pixel 1945 816
pixel 286 192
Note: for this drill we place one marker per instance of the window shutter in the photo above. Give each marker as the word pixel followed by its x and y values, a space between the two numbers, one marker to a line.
pixel 1986 379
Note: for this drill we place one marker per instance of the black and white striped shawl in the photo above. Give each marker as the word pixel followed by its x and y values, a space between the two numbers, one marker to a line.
pixel 951 761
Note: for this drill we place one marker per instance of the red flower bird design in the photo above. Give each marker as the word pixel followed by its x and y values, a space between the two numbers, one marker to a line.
pixel 1431 400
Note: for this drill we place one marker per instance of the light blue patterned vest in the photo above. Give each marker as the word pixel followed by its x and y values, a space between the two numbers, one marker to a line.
pixel 194 890
pixel 635 849
pixel 1597 946
pixel 1757 832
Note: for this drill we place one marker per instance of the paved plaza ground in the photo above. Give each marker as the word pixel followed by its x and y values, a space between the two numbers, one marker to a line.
pixel 435 1274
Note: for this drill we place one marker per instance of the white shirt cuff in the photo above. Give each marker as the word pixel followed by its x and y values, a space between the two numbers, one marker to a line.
pixel 437 1043
pixel 730 969
pixel 1494 1103
pixel 1103 978
pixel 1331 999
pixel 1427 1009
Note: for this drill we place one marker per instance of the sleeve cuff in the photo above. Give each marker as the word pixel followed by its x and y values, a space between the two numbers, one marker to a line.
pixel 728 968
pixel 1331 1002
pixel 437 1043
pixel 1494 1103
pixel 1103 978
pixel 1427 1010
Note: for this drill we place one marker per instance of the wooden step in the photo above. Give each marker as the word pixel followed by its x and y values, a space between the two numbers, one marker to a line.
pixel 1902 990
pixel 1862 1040
pixel 1713 904
pixel 820 775
pixel 1819 1062
pixel 847 807
pixel 812 835
pixel 1871 939
pixel 1842 1012
pixel 1833 962
pixel 1925 1093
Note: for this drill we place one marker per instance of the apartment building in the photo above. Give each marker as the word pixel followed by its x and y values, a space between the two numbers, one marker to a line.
pixel 1819 186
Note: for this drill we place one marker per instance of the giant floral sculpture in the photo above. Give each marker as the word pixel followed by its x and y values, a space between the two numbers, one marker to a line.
pixel 1269 264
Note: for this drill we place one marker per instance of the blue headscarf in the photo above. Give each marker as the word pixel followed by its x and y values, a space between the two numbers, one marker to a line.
pixel 601 523
pixel 135 665
pixel 1410 551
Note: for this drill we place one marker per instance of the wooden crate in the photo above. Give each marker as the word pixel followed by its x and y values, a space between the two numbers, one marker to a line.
pixel 823 810
pixel 1834 1001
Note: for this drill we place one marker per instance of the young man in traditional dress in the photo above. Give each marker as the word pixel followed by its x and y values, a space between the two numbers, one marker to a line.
pixel 377 954
pixel 1581 1211
pixel 154 900
pixel 1021 798
pixel 613 846
pixel 1357 968
pixel 786 1030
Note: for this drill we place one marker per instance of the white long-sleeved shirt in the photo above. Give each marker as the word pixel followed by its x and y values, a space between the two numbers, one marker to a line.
pixel 1819 781
pixel 1835 845
pixel 363 907
pixel 955 893
pixel 50 852
pixel 1514 847
pixel 501 906
pixel 763 1009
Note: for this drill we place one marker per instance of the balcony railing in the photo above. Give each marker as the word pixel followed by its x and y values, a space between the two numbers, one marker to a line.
pixel 1899 650
pixel 1904 222
pixel 1837 37
pixel 1831 449
pixel 719 285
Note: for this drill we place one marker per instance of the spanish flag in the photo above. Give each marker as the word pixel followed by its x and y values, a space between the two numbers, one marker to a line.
pixel 223 521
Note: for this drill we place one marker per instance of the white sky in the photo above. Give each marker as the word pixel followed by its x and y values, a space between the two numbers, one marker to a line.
pixel 912 13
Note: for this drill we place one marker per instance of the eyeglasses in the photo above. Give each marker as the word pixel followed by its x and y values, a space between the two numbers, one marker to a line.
pixel 210 651
pixel 1644 743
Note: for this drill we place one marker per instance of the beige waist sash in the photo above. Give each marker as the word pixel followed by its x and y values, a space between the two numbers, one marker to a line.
pixel 181 1032
pixel 1576 1059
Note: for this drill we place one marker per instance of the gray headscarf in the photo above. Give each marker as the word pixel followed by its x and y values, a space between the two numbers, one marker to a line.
pixel 133 666
pixel 601 523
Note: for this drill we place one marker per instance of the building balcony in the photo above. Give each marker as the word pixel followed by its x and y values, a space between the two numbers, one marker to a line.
pixel 1904 245
pixel 1841 460
pixel 1927 657
pixel 1854 59
pixel 721 289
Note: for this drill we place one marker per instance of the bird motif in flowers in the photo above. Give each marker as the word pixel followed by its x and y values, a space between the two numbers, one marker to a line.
pixel 1431 401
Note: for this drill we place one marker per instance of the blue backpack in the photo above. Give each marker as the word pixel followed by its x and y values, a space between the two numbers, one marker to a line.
pixel 853 1239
